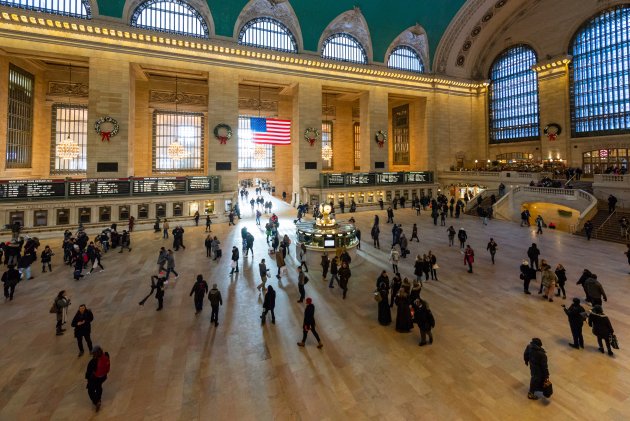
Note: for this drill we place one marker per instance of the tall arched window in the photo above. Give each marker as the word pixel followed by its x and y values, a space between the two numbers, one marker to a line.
pixel 173 16
pixel 513 96
pixel 405 58
pixel 268 33
pixel 344 47
pixel 74 8
pixel 600 97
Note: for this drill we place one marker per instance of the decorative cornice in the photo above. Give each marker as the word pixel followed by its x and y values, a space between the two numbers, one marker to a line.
pixel 60 88
pixel 254 104
pixel 181 98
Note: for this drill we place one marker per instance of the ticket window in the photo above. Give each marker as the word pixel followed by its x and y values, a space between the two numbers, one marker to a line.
pixel 160 210
pixel 17 216
pixel 228 205
pixel 361 198
pixel 430 192
pixel 414 194
pixel 85 215
pixel 314 199
pixel 209 207
pixel 351 197
pixel 105 214
pixel 40 218
pixel 370 198
pixel 143 211
pixel 193 208
pixel 178 209
pixel 388 195
pixel 330 198
pixel 123 213
pixel 63 216
pixel 406 194
pixel 397 194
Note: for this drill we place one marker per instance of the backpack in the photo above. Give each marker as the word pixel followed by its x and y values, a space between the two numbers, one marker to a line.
pixel 54 309
pixel 85 258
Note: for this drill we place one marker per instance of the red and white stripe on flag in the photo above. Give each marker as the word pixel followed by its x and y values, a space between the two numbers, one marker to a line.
pixel 271 131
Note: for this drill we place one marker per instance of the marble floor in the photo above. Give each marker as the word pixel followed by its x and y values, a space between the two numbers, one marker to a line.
pixel 173 365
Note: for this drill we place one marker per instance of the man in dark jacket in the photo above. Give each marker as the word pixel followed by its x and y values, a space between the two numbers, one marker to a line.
pixel 10 278
pixel 594 290
pixel 536 358
pixel 576 314
pixel 200 289
pixel 586 274
pixel 527 274
pixel 214 296
pixel 423 317
pixel 383 278
pixel 269 304
pixel 235 256
pixel 309 323
pixel 82 324
pixel 96 374
pixel 533 252
pixel 390 215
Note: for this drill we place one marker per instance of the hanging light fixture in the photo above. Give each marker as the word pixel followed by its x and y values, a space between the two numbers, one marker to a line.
pixel 66 148
pixel 176 151
pixel 260 153
pixel 327 151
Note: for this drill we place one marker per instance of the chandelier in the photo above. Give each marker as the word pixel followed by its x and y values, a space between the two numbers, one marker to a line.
pixel 176 151
pixel 327 153
pixel 260 152
pixel 67 149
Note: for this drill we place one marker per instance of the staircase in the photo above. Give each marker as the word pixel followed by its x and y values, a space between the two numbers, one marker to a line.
pixel 605 226
pixel 485 204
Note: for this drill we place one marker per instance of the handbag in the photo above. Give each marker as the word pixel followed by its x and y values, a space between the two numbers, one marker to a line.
pixel 233 264
pixel 547 388
pixel 435 266
pixel 613 341
pixel 378 297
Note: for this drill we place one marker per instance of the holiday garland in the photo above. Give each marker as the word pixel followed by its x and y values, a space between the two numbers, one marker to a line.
pixel 311 134
pixel 106 135
pixel 224 136
pixel 381 138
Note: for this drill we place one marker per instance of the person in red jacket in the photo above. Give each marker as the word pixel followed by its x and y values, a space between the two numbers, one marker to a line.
pixel 469 258
pixel 96 374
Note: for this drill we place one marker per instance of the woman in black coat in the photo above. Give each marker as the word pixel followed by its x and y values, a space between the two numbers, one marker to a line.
pixel 602 328
pixel 561 273
pixel 309 323
pixel 403 315
pixel 384 312
pixel 417 268
pixel 344 277
pixel 269 304
pixel 82 324
pixel 425 321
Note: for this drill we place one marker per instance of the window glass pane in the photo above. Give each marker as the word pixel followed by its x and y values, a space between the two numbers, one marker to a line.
pixel 344 47
pixel 513 96
pixel 600 103
pixel 268 33
pixel 74 8
pixel 400 125
pixel 184 128
pixel 173 16
pixel 327 144
pixel 405 58
pixel 69 124
pixel 20 118
pixel 357 146
pixel 251 156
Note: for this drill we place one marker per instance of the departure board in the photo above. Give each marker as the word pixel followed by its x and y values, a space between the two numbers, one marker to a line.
pixel 98 187
pixel 200 184
pixel 32 189
pixel 161 185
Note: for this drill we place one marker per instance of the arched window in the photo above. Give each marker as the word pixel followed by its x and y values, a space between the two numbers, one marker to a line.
pixel 268 33
pixel 173 16
pixel 405 58
pixel 600 97
pixel 344 47
pixel 74 8
pixel 513 96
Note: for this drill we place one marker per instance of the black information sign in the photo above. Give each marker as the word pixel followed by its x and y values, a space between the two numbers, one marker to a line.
pixel 159 185
pixel 419 177
pixel 335 179
pixel 200 184
pixel 32 189
pixel 360 179
pixel 391 178
pixel 98 187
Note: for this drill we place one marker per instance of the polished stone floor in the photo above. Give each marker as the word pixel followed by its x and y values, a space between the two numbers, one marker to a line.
pixel 173 365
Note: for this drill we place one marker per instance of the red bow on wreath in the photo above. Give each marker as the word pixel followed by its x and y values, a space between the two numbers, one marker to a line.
pixel 106 136
pixel 222 140
pixel 552 136
pixel 311 141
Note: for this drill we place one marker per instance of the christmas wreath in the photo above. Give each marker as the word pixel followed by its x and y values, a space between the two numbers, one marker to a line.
pixel 223 133
pixel 311 134
pixel 552 131
pixel 106 134
pixel 381 138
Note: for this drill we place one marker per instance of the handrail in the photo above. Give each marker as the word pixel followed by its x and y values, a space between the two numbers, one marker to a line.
pixel 569 180
pixel 604 223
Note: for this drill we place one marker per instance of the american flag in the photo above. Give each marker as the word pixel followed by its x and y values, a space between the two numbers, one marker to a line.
pixel 270 131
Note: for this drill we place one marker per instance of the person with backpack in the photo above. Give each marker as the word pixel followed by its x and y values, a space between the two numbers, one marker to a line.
pixel 214 296
pixel 96 374
pixel 60 303
pixel 577 316
pixel 269 304
pixel 82 324
pixel 200 289
pixel 10 278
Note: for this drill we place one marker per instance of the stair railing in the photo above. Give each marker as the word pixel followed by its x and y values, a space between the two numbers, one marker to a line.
pixel 603 224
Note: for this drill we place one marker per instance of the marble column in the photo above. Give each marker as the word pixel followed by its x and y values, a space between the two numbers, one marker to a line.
pixel 374 117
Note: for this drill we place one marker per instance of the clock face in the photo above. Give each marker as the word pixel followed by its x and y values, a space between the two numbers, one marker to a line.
pixel 327 209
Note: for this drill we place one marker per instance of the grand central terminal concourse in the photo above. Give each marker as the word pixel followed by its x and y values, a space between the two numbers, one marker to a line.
pixel 314 210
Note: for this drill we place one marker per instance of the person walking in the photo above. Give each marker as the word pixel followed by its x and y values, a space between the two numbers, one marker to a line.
pixel 382 297
pixel 423 317
pixel 10 278
pixel 208 223
pixel 561 275
pixel 269 304
pixel 216 248
pixel 280 263
pixel 196 218
pixel 262 271
pixel 46 258
pixel 170 264
pixel 214 296
pixel 325 263
pixel 404 322
pixel 96 374
pixel 60 305
pixel 602 328
pixel 577 315
pixel 208 244
pixel 234 262
pixel 394 258
pixel 539 224
pixel 82 324
pixel 588 229
pixel 390 215
pixel 96 261
pixel 200 289
pixel 414 233
pixel 536 357
pixel 125 241
pixel 548 281
pixel 159 292
pixel 462 236
pixel 161 260
pixel 527 274
pixel 594 290
pixel 376 231
pixel 433 266
pixel 303 257
pixel 308 325
pixel 334 271
pixel 533 252
pixel 451 236
pixel 344 278
pixel 492 248
pixel 302 280
pixel 165 227
pixel 469 258
pixel 418 267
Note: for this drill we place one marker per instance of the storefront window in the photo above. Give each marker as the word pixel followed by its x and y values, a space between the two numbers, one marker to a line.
pixel 85 215
pixel 160 210
pixel 178 209
pixel 63 216
pixel 143 211
pixel 105 214
pixel 123 213
pixel 40 218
